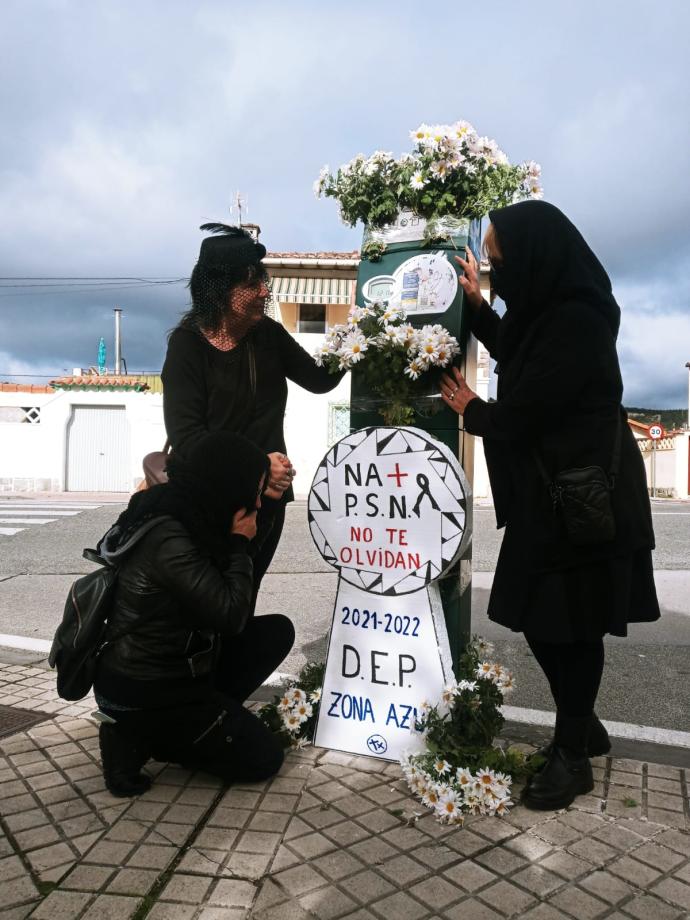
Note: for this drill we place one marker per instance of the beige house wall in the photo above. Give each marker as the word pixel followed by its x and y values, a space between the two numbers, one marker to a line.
pixel 287 313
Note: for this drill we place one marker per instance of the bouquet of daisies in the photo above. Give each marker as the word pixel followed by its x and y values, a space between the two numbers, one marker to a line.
pixel 450 171
pixel 389 354
pixel 461 771
pixel 292 715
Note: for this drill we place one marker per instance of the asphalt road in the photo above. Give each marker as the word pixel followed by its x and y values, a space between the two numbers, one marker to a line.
pixel 647 676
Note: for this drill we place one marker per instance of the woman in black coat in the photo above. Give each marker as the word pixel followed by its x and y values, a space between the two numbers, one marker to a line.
pixel 182 650
pixel 227 368
pixel 558 408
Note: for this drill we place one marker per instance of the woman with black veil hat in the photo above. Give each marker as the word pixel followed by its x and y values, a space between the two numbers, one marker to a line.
pixel 227 368
pixel 558 408
pixel 182 651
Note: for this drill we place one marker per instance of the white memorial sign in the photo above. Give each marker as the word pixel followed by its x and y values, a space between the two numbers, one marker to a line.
pixel 387 508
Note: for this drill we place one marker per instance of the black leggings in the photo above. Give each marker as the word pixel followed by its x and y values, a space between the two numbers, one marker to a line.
pixel 211 730
pixel 573 671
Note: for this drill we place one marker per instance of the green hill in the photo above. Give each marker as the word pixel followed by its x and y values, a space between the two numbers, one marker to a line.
pixel 669 418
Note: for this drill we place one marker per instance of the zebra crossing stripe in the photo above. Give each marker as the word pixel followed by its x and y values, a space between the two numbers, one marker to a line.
pixel 10 531
pixel 32 520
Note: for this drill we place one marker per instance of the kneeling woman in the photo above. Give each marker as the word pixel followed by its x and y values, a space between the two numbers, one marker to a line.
pixel 182 652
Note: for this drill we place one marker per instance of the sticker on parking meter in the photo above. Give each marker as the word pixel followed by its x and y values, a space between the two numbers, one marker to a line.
pixel 387 508
pixel 426 283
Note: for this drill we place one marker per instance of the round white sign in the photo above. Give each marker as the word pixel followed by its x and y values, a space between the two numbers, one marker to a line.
pixel 656 432
pixel 426 283
pixel 387 508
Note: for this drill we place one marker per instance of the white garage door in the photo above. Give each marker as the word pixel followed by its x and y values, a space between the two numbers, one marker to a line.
pixel 98 450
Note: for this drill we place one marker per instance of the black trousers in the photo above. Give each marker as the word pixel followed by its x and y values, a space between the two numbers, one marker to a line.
pixel 573 670
pixel 212 730
pixel 270 521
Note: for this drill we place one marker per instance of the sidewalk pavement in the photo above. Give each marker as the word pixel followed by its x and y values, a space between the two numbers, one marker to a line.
pixel 332 836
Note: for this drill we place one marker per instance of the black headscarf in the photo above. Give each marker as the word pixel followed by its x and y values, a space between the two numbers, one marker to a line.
pixel 219 476
pixel 546 261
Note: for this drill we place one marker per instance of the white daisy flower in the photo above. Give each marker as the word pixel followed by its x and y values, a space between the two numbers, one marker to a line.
pixel 414 369
pixel 440 169
pixel 470 685
pixel 353 347
pixel 284 703
pixel 449 805
pixel 315 695
pixel 464 777
pixel 441 766
pixel 431 796
pixel 485 778
pixel 296 695
pixel 291 722
pixel 500 807
pixel 303 711
pixel 417 180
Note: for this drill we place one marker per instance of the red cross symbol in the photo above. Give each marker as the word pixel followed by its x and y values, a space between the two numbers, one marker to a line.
pixel 397 475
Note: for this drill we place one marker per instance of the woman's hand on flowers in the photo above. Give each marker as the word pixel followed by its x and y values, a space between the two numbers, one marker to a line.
pixel 469 281
pixel 280 476
pixel 455 391
pixel 244 523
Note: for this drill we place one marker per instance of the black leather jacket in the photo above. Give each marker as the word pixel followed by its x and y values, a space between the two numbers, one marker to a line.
pixel 173 603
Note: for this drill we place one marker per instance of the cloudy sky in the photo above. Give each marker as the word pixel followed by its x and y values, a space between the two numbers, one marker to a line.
pixel 127 124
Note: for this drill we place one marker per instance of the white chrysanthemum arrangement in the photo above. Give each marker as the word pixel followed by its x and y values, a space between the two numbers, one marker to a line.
pixel 293 714
pixel 389 353
pixel 461 771
pixel 451 171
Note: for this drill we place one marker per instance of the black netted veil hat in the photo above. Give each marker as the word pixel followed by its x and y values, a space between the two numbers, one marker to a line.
pixel 230 247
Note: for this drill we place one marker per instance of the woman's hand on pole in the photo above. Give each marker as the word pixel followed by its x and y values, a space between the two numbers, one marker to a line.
pixel 244 523
pixel 469 280
pixel 455 391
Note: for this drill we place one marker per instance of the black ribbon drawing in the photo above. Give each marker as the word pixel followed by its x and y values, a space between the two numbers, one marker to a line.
pixel 423 483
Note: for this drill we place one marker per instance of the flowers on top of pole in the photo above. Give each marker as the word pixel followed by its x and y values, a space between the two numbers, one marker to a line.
pixel 450 171
pixel 378 343
pixel 461 771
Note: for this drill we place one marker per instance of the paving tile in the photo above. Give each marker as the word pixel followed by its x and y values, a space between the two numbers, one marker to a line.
pixel 346 833
pixel 164 833
pixel 312 845
pixel 328 903
pixel 368 886
pixel 151 857
pixel 538 880
pixel 501 860
pixel 636 873
pixel 232 893
pixel 471 909
pixel 506 897
pixel 435 855
pixel 133 881
pixel 340 863
pixel 56 854
pixel 646 906
pixel 579 903
pixel 668 818
pixel 273 821
pixel 528 845
pixel 229 817
pixel 660 857
pixel 467 843
pixel 665 800
pixel 37 837
pixel 16 891
pixel 556 833
pixel 109 853
pixel 11 867
pixel 25 820
pixel 274 801
pixel 216 838
pixel 299 879
pixel 470 875
pixel 620 838
pixel 188 889
pixel 400 906
pixel 247 865
pixel 677 892
pixel 87 878
pixel 203 862
pixel 402 870
pixel 62 905
pixel 547 912
pixel 373 851
pixel 165 910
pixel 436 893
pixel 593 850
pixel 112 907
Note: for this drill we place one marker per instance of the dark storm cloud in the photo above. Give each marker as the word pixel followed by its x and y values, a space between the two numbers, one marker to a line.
pixel 126 125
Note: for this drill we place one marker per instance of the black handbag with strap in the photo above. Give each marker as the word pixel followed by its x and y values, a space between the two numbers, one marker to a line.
pixel 582 497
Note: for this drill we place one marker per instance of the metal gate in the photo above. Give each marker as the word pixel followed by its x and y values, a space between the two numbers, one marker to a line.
pixel 98 450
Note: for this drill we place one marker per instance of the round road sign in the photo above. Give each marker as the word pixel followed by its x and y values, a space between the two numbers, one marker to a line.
pixel 656 432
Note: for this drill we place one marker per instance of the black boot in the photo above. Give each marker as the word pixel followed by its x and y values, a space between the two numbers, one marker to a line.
pixel 598 743
pixel 567 772
pixel 122 757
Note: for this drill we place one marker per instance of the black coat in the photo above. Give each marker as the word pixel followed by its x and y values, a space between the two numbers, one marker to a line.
pixel 176 601
pixel 559 393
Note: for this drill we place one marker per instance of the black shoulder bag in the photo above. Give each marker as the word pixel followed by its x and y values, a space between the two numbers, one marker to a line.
pixel 582 497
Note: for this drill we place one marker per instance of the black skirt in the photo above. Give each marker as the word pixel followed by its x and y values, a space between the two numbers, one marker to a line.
pixel 577 604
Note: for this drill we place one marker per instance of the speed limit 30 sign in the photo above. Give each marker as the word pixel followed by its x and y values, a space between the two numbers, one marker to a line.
pixel 656 432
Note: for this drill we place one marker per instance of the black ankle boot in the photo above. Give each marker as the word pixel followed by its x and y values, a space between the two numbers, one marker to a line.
pixel 598 743
pixel 122 758
pixel 562 778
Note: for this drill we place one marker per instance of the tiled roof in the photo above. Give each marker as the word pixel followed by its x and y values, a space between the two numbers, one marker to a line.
pixel 95 382
pixel 24 388
pixel 314 255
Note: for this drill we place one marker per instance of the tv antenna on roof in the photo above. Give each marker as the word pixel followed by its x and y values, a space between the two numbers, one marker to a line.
pixel 241 205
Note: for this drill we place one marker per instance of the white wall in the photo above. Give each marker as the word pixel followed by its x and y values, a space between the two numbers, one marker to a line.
pixel 33 457
pixel 306 422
